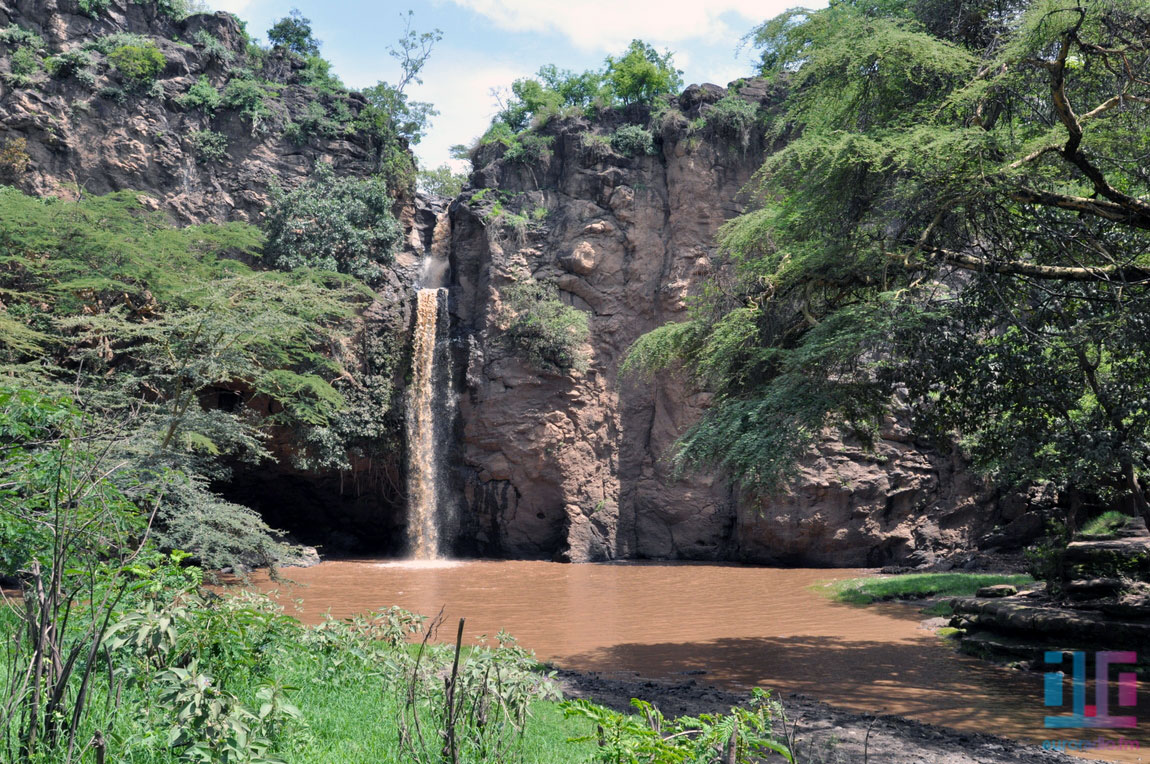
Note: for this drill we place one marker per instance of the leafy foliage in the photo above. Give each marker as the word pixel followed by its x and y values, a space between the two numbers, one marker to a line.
pixel 539 327
pixel 333 224
pixel 442 181
pixel 23 66
pixel 250 97
pixel 633 141
pixel 394 120
pixel 144 319
pixel 139 65
pixel 942 220
pixel 293 32
pixel 209 146
pixel 642 74
pixel 743 736
pixel 202 95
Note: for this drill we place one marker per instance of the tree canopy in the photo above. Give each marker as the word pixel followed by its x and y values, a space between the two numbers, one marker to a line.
pixel 959 217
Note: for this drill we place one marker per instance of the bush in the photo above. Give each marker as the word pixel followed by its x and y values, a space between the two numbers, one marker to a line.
pixel 14 159
pixel 209 146
pixel 732 117
pixel 110 42
pixel 201 95
pixel 73 63
pixel 24 65
pixel 633 140
pixel 14 34
pixel 334 224
pixel 92 8
pixel 213 47
pixel 249 98
pixel 313 123
pixel 541 329
pixel 138 64
pixel 529 148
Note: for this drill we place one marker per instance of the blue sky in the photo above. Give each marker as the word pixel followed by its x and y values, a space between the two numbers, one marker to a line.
pixel 489 43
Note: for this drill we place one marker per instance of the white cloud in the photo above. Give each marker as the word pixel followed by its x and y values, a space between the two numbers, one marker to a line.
pixel 608 25
pixel 463 97
pixel 231 6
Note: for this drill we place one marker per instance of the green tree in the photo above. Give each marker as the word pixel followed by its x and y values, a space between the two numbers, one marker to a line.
pixel 293 32
pixel 642 74
pixel 395 120
pixel 334 224
pixel 959 215
pixel 442 181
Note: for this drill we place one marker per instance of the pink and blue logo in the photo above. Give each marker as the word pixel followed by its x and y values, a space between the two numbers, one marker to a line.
pixel 1096 715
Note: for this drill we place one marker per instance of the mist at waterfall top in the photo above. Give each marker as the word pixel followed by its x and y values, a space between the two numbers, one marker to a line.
pixel 490 43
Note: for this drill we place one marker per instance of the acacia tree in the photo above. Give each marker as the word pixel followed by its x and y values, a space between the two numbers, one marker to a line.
pixel 961 213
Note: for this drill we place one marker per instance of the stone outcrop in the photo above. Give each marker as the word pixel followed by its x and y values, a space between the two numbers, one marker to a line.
pixel 575 466
pixel 99 136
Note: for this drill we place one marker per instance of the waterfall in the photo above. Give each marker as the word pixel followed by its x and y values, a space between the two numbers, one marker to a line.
pixel 424 413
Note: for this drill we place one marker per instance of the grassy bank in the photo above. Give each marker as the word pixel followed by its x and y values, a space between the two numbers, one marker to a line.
pixel 863 591
pixel 184 676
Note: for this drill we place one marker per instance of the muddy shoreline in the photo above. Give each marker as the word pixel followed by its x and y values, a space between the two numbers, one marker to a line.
pixel 823 733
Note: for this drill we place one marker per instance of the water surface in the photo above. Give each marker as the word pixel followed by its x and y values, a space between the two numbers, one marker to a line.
pixel 741 626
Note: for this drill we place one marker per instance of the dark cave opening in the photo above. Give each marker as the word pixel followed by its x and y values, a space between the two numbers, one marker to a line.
pixel 341 515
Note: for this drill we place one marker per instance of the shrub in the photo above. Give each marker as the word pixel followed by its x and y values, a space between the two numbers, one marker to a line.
pixel 314 122
pixel 201 95
pixel 111 42
pixel 334 224
pixel 92 8
pixel 176 9
pixel 541 329
pixel 24 65
pixel 596 145
pixel 72 63
pixel 249 98
pixel 209 146
pixel 529 148
pixel 138 64
pixel 14 159
pixel 732 117
pixel 14 34
pixel 213 46
pixel 633 140
pixel 317 74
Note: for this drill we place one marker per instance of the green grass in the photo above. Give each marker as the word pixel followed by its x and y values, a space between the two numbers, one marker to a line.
pixel 1104 525
pixel 863 591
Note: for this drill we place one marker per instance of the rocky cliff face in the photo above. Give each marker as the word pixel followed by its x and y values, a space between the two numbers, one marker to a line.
pixel 95 133
pixel 546 465
pixel 574 466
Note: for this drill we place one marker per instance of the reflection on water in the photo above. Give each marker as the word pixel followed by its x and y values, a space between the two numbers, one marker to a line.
pixel 742 626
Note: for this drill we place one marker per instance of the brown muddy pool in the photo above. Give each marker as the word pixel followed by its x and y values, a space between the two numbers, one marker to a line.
pixel 734 626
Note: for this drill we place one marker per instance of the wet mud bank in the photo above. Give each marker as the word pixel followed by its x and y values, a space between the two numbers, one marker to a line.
pixel 822 733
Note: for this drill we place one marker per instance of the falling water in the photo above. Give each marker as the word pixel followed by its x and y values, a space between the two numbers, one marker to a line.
pixel 423 468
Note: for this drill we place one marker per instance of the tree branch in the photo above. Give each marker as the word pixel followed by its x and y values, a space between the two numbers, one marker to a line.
pixel 1116 273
